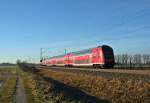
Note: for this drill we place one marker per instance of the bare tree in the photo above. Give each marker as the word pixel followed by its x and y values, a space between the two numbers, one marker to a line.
pixel 125 59
pixel 137 59
pixel 146 58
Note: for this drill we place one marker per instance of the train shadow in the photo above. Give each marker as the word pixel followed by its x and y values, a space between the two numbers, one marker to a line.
pixel 75 92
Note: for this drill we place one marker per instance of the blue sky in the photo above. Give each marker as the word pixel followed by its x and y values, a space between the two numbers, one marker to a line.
pixel 28 25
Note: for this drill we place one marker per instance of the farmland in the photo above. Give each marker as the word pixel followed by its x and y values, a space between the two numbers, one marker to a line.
pixel 110 90
pixel 32 85
pixel 66 87
pixel 18 86
pixel 75 51
pixel 8 83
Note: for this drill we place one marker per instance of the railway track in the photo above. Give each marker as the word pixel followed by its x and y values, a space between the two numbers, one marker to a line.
pixel 140 72
pixel 143 75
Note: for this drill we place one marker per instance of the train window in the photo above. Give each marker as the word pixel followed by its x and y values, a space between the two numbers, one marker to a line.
pixel 66 59
pixel 59 62
pixel 94 55
pixel 83 52
pixel 85 61
pixel 99 55
pixel 70 58
pixel 59 56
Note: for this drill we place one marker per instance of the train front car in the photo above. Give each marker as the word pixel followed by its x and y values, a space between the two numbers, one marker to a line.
pixel 101 56
pixel 108 57
pixel 98 57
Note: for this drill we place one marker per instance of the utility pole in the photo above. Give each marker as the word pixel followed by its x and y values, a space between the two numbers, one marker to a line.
pixel 41 54
pixel 67 56
pixel 42 51
pixel 65 51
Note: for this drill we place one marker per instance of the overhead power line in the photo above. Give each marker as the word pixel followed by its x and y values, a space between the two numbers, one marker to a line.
pixel 129 20
pixel 137 15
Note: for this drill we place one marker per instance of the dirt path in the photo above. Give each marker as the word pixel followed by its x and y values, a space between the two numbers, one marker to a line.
pixel 20 93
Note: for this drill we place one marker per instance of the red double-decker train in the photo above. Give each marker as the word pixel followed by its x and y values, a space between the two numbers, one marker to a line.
pixel 101 56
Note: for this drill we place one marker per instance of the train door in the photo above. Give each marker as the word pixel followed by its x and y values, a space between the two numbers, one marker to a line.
pixel 96 56
pixel 66 59
pixel 70 59
pixel 53 62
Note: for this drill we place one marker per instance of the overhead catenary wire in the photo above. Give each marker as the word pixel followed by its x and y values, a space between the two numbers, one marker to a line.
pixel 145 12
pixel 129 20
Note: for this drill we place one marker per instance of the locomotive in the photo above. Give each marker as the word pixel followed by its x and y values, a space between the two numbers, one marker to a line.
pixel 101 56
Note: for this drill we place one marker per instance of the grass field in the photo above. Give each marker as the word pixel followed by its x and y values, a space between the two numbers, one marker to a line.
pixel 7 91
pixel 69 87
pixel 33 91
pixel 112 90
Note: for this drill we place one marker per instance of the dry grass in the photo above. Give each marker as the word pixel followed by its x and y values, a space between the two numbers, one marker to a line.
pixel 114 90
pixel 32 91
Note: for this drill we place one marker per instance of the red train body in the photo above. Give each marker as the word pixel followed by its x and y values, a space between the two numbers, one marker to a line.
pixel 101 56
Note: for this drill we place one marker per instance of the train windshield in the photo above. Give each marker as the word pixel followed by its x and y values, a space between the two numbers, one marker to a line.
pixel 108 54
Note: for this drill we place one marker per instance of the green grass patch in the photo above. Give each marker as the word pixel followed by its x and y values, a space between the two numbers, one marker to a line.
pixel 8 91
pixel 8 69
pixel 8 76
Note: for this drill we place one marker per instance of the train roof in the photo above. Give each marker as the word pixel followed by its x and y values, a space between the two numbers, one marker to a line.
pixel 84 51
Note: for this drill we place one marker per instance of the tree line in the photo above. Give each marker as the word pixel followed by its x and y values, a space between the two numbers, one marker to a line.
pixel 136 60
